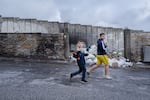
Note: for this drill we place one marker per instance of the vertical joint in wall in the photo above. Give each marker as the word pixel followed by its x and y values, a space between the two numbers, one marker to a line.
pixel 66 40
pixel 127 43
pixel 0 23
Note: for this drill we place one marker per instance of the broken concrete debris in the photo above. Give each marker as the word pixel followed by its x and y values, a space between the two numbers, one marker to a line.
pixel 116 58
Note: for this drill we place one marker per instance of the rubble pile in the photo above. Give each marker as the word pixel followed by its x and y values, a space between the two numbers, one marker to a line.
pixel 116 59
pixel 120 62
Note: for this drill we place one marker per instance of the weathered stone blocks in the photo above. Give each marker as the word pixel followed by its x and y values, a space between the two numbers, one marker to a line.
pixel 49 46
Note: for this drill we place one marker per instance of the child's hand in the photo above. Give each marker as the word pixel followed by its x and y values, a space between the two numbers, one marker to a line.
pixel 74 53
pixel 86 54
pixel 78 58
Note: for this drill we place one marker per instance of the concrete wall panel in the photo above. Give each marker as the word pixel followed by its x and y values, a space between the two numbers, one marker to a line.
pixel 4 27
pixel 27 26
pixel 10 25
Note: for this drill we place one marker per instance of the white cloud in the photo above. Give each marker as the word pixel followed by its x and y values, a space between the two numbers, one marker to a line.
pixel 144 12
pixel 41 9
pixel 115 13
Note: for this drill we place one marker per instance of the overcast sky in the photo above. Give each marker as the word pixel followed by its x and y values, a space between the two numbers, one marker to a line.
pixel 133 14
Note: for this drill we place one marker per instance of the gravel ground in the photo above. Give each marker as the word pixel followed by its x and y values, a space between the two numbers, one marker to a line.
pixel 45 81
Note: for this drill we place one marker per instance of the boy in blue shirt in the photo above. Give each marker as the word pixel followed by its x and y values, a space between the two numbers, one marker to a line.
pixel 80 61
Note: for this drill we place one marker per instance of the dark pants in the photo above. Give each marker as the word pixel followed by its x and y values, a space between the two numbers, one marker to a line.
pixel 82 69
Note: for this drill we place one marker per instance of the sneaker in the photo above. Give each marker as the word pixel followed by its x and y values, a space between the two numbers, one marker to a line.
pixel 88 73
pixel 71 76
pixel 108 77
pixel 84 81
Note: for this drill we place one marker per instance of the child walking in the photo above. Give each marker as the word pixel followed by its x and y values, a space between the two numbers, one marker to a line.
pixel 80 61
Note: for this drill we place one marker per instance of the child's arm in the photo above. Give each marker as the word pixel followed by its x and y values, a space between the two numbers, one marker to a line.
pixel 86 54
pixel 75 55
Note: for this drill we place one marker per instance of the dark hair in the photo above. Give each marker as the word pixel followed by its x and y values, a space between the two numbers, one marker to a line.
pixel 102 34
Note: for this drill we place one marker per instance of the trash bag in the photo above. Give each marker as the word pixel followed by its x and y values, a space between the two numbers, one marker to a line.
pixel 93 49
pixel 90 56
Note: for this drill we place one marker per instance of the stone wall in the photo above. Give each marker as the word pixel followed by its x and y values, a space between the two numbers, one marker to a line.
pixel 135 41
pixel 138 40
pixel 35 45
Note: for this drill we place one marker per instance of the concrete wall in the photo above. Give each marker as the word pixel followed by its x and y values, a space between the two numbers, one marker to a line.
pixel 17 25
pixel 88 34
pixel 79 32
pixel 114 38
pixel 0 23
pixel 128 41
pixel 37 45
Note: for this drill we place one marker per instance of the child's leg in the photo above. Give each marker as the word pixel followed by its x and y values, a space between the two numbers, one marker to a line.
pixel 77 72
pixel 83 72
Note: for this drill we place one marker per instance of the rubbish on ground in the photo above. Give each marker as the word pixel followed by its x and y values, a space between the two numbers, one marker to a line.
pixel 121 62
pixel 93 50
pixel 114 65
pixel 139 63
pixel 90 61
pixel 116 59
pixel 72 59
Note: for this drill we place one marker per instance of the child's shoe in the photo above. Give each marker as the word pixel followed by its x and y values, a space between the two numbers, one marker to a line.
pixel 88 73
pixel 71 76
pixel 84 81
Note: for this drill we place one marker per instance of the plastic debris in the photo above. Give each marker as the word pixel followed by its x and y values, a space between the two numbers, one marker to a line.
pixel 90 61
pixel 139 63
pixel 120 62
pixel 116 59
pixel 93 50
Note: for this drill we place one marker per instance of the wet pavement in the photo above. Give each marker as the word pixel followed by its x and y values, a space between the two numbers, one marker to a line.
pixel 45 81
